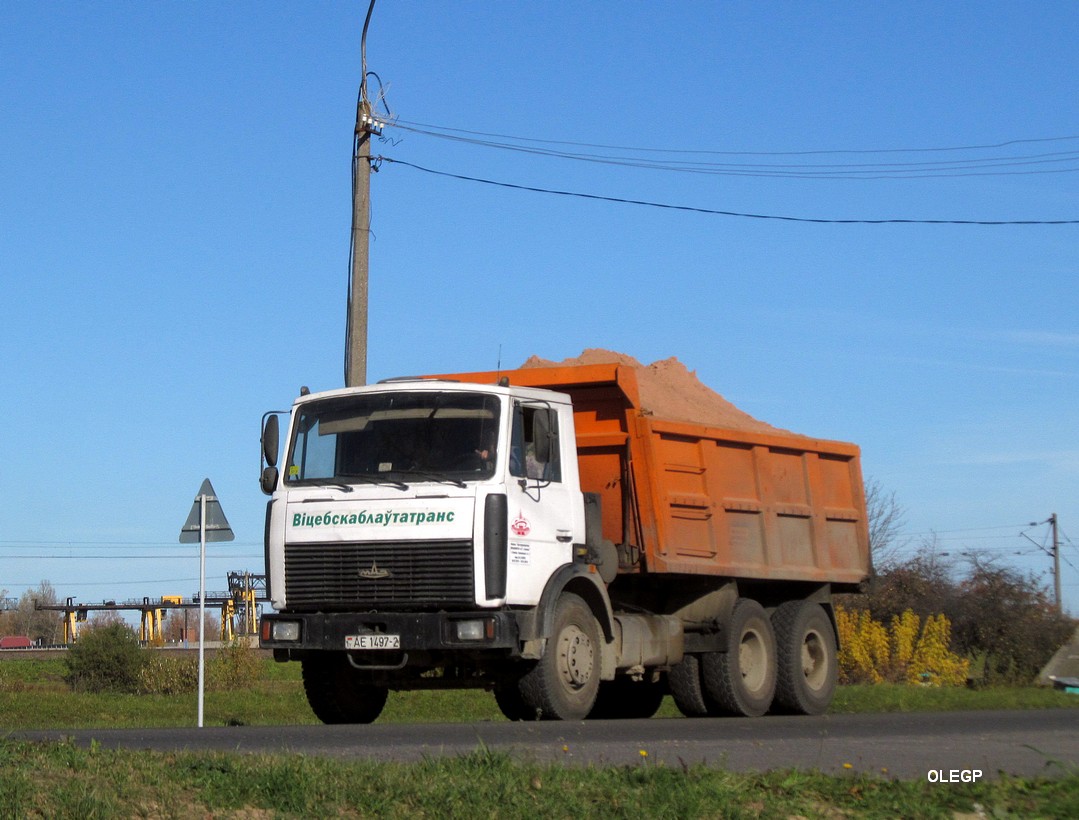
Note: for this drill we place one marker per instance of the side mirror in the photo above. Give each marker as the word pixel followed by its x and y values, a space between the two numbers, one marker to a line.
pixel 541 434
pixel 269 480
pixel 271 439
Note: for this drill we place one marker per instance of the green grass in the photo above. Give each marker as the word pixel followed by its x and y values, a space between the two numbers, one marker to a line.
pixel 891 697
pixel 34 696
pixel 62 781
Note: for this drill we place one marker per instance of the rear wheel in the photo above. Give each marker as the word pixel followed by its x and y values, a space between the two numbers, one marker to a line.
pixel 684 680
pixel 806 658
pixel 742 680
pixel 564 683
pixel 337 692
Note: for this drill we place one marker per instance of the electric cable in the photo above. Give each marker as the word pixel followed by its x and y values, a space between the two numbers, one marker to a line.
pixel 33 544
pixel 718 212
pixel 231 557
pixel 66 584
pixel 944 149
pixel 979 166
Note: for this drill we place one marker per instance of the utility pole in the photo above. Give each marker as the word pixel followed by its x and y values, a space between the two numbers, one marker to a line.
pixel 1056 563
pixel 356 333
pixel 356 323
pixel 1053 523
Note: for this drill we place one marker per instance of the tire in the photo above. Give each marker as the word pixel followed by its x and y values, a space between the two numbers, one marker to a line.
pixel 564 682
pixel 742 680
pixel 336 691
pixel 512 705
pixel 684 681
pixel 807 658
pixel 626 699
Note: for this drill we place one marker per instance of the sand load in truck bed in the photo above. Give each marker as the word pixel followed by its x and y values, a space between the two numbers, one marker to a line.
pixel 669 390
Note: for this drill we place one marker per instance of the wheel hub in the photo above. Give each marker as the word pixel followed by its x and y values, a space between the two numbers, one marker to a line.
pixel 753 661
pixel 576 657
pixel 814 660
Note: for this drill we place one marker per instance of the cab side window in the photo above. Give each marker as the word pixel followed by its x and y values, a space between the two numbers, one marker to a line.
pixel 535 450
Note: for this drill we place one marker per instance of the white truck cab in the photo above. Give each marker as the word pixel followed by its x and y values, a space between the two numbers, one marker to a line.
pixel 383 497
pixel 417 523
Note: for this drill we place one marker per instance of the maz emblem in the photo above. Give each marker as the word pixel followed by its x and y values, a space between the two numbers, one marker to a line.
pixel 374 574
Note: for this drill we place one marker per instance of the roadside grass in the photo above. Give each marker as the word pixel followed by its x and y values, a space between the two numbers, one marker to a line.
pixel 33 695
pixel 894 697
pixel 64 781
pixel 61 780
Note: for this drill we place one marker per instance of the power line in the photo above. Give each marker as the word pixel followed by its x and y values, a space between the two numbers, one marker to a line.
pixel 967 529
pixel 982 147
pixel 113 557
pixel 1064 537
pixel 25 544
pixel 65 584
pixel 1016 547
pixel 1012 536
pixel 975 166
pixel 716 212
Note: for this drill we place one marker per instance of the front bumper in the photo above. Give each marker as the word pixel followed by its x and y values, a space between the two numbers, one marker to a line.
pixel 293 635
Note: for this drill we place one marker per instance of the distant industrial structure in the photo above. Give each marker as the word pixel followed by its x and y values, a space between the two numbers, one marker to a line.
pixel 240 609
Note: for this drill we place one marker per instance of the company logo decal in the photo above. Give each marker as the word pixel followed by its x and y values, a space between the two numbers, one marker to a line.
pixel 520 526
pixel 366 518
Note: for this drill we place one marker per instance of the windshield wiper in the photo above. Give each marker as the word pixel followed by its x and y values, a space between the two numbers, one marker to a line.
pixel 439 477
pixel 366 479
pixel 341 485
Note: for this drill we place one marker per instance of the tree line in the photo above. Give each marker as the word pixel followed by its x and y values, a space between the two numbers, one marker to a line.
pixel 1002 619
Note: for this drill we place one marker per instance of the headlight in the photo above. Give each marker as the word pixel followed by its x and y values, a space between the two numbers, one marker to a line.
pixel 284 630
pixel 470 630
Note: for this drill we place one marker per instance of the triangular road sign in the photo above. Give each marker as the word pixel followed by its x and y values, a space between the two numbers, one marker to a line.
pixel 217 526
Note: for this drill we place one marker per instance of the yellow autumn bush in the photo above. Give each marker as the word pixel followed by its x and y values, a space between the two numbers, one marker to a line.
pixel 933 662
pixel 863 643
pixel 903 640
pixel 905 652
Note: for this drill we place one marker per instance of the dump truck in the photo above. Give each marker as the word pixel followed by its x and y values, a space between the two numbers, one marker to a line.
pixel 539 534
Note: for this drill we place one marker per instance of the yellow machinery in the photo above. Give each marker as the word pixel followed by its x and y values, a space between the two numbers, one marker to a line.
pixel 239 610
pixel 72 618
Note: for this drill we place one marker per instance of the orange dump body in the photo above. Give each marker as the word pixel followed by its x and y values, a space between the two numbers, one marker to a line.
pixel 706 500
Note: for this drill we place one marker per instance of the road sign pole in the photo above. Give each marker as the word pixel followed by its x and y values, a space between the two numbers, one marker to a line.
pixel 202 602
pixel 206 521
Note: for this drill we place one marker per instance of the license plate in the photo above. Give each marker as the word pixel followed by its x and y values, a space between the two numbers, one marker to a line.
pixel 372 642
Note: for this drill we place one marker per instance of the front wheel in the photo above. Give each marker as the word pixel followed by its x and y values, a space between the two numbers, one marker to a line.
pixel 564 683
pixel 336 691
pixel 511 704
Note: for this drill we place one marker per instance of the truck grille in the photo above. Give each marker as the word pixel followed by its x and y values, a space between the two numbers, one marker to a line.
pixel 391 573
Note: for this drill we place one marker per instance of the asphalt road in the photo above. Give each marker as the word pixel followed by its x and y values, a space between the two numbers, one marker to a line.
pixel 939 746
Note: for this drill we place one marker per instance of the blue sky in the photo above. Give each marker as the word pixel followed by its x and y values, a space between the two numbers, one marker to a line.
pixel 175 222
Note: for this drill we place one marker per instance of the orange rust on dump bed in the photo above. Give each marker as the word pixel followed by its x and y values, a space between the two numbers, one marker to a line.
pixel 743 503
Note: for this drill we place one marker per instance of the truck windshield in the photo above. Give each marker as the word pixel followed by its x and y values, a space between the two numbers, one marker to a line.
pixel 393 436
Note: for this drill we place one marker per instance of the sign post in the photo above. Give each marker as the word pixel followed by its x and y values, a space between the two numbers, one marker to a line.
pixel 205 522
